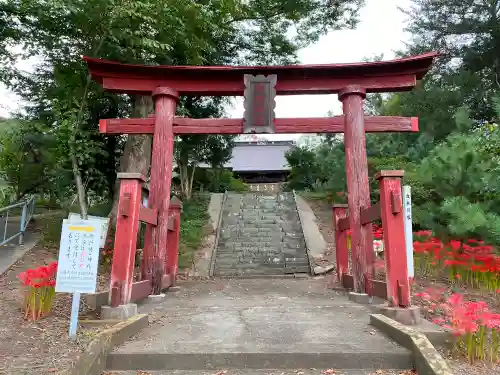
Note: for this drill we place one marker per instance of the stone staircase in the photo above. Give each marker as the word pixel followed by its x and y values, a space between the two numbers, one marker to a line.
pixel 260 234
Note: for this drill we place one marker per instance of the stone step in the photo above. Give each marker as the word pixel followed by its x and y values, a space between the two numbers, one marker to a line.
pixel 298 269
pixel 244 252
pixel 249 271
pixel 289 250
pixel 257 260
pixel 278 237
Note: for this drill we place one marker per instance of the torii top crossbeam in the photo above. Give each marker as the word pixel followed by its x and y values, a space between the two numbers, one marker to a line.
pixel 382 76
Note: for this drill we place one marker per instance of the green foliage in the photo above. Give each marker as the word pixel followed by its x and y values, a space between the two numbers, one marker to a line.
pixel 149 32
pixel 463 181
pixel 236 185
pixel 194 219
pixel 303 164
pixel 465 32
pixel 27 161
pixel 319 170
pixel 217 180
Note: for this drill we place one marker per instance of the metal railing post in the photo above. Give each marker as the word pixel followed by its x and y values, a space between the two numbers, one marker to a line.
pixel 23 220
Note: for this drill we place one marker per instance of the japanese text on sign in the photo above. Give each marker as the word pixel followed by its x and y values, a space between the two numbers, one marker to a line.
pixel 78 256
pixel 103 221
pixel 408 229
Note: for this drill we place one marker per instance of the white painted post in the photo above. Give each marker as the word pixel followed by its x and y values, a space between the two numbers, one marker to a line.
pixel 75 309
pixel 408 230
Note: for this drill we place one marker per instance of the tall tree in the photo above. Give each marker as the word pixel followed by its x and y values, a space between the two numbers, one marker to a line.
pixel 150 32
pixel 467 33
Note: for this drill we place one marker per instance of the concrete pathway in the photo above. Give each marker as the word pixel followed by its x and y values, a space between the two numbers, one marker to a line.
pixel 260 324
pixel 11 252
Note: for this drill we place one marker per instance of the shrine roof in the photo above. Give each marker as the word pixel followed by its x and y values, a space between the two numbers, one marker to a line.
pixel 378 76
pixel 258 157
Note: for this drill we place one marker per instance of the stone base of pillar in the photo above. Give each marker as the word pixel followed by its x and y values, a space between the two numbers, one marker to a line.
pixel 361 298
pixel 121 312
pixel 409 316
pixel 156 298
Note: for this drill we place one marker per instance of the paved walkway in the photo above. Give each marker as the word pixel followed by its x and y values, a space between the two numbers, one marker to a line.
pixel 11 252
pixel 258 324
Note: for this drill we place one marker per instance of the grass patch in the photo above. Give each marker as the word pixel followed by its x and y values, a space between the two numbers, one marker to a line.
pixel 49 223
pixel 328 197
pixel 194 218
pixel 50 226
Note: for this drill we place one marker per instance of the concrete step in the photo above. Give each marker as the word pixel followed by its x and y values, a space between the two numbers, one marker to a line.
pixel 282 371
pixel 213 361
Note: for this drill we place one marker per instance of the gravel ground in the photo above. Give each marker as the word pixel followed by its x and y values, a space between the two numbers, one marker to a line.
pixel 42 347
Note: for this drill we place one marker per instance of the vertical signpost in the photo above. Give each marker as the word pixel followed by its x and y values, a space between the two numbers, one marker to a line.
pixel 78 262
pixel 408 229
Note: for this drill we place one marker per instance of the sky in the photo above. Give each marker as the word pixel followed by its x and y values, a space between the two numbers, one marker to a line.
pixel 380 32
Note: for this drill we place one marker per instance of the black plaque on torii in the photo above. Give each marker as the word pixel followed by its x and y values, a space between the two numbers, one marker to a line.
pixel 259 103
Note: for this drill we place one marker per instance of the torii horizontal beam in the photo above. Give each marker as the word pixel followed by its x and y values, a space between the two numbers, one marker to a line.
pixel 381 76
pixel 183 125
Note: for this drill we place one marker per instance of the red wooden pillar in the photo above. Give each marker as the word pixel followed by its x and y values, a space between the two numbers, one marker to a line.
pixel 391 208
pixel 341 251
pixel 155 242
pixel 358 188
pixel 172 264
pixel 127 226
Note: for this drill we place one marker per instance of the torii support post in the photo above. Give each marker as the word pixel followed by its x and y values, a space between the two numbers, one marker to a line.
pixel 172 261
pixel 358 188
pixel 127 225
pixel 156 243
pixel 391 205
pixel 341 251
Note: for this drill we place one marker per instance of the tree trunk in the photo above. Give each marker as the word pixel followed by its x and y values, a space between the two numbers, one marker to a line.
pixel 136 156
pixel 184 178
pixel 191 180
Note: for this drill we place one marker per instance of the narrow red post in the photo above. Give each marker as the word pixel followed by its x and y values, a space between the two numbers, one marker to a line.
pixel 172 264
pixel 341 251
pixel 358 188
pixel 127 225
pixel 155 242
pixel 391 208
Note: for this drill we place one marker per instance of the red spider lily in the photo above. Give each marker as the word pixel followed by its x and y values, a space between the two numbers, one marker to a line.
pixel 40 290
pixel 475 327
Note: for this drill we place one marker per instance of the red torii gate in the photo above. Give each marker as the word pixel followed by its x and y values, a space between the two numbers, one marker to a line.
pixel 165 83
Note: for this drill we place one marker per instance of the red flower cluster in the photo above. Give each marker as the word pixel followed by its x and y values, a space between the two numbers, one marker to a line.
pixel 378 232
pixel 471 322
pixel 39 277
pixel 471 260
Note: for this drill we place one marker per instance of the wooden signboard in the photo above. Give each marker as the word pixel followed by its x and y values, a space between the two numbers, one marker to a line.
pixel 259 104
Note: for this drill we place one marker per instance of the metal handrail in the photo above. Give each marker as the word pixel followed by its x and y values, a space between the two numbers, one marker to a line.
pixel 28 210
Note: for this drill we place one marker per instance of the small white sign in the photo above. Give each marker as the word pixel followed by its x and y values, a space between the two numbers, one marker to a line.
pixel 103 221
pixel 78 256
pixel 408 229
